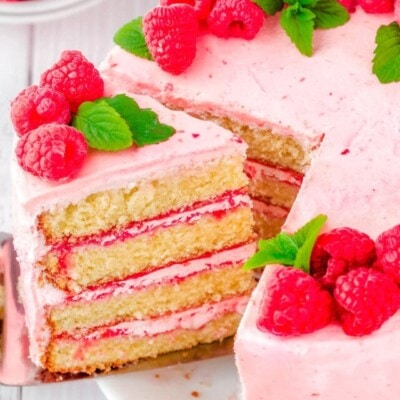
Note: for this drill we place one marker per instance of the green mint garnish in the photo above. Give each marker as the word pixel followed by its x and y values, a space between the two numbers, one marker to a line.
pixel 329 14
pixel 386 62
pixel 298 23
pixel 143 123
pixel 302 17
pixel 102 126
pixel 270 7
pixel 131 38
pixel 115 123
pixel 294 250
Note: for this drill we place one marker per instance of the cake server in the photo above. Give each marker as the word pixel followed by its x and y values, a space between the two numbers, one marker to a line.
pixel 16 369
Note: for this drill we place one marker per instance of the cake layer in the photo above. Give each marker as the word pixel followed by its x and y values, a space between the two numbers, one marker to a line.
pixel 264 144
pixel 268 218
pixel 143 199
pixel 124 343
pixel 152 244
pixel 157 299
pixel 273 185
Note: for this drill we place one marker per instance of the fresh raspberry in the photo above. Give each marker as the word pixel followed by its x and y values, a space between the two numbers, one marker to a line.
pixel 388 253
pixel 235 18
pixel 171 33
pixel 52 152
pixel 75 77
pixel 338 251
pixel 294 303
pixel 350 5
pixel 366 299
pixel 37 106
pixel 201 7
pixel 377 6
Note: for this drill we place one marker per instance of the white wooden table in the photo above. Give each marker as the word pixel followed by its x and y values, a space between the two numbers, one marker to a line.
pixel 25 51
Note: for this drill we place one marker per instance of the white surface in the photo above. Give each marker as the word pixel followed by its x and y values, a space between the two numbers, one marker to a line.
pixel 205 380
pixel 41 10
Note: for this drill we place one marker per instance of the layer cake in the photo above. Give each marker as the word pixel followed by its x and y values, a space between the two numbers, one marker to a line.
pixel 140 253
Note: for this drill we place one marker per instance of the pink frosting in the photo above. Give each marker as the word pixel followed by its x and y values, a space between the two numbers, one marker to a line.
pixel 192 319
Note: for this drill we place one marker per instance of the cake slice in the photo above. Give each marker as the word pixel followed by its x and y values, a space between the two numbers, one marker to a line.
pixel 140 252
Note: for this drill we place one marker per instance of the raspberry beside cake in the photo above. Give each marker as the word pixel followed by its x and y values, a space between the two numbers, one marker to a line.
pixel 139 252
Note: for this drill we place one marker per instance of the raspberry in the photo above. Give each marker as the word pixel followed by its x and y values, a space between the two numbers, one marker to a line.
pixel 52 152
pixel 338 251
pixel 377 6
pixel 294 303
pixel 366 299
pixel 201 7
pixel 75 77
pixel 171 34
pixel 388 253
pixel 37 106
pixel 235 18
pixel 350 5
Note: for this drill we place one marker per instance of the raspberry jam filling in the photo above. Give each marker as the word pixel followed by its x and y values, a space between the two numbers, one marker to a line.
pixel 168 274
pixel 187 214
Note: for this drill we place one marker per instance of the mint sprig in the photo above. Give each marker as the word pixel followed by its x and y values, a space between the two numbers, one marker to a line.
pixel 294 250
pixel 298 23
pixel 329 14
pixel 386 62
pixel 302 17
pixel 143 122
pixel 113 124
pixel 270 7
pixel 131 38
pixel 102 126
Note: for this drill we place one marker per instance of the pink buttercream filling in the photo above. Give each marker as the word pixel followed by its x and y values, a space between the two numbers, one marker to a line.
pixel 191 319
pixel 258 171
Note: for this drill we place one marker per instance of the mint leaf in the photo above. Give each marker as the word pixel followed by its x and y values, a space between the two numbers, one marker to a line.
pixel 263 258
pixel 329 14
pixel 131 38
pixel 143 123
pixel 148 129
pixel 305 238
pixel 307 3
pixel 386 62
pixel 298 23
pixel 102 126
pixel 270 7
pixel 294 250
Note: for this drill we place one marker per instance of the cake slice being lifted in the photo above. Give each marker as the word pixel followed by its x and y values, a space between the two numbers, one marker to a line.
pixel 140 252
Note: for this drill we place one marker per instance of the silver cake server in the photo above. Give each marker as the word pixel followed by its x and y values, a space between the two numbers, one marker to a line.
pixel 16 368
